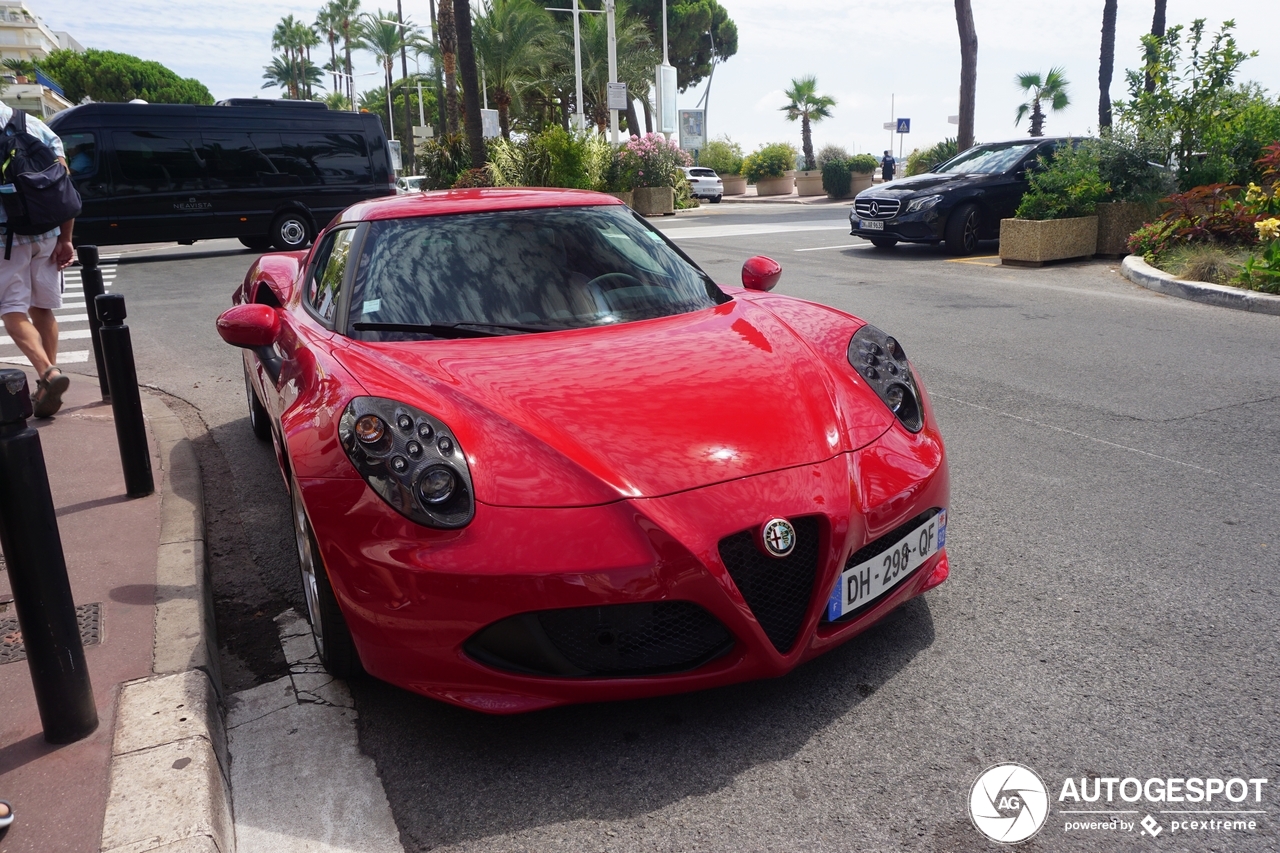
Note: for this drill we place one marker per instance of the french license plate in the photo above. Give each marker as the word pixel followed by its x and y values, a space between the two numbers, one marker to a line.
pixel 868 581
pixel 870 225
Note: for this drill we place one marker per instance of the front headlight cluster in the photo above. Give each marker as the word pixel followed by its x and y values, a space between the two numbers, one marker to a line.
pixel 879 360
pixel 411 459
pixel 923 203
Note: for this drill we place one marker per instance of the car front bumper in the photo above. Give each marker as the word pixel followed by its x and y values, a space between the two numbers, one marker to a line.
pixel 417 599
pixel 926 226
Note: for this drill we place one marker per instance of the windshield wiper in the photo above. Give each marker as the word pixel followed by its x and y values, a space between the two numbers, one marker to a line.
pixel 453 330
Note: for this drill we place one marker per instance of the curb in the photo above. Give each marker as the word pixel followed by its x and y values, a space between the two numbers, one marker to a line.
pixel 1141 273
pixel 170 770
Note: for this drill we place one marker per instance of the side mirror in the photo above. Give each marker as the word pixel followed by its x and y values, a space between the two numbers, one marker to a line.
pixel 249 326
pixel 760 273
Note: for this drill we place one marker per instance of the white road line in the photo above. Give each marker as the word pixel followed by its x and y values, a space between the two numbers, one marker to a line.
pixel 71 318
pixel 703 232
pixel 76 357
pixel 824 248
pixel 72 335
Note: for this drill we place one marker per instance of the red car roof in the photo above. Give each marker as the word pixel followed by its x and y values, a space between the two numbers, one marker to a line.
pixel 442 202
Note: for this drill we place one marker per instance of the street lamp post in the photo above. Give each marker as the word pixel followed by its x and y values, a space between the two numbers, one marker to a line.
pixel 577 57
pixel 608 11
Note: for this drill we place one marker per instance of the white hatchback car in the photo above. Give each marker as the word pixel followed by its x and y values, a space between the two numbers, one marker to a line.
pixel 705 183
pixel 409 184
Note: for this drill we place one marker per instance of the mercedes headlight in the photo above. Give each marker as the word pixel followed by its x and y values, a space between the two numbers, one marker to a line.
pixel 878 358
pixel 411 459
pixel 923 203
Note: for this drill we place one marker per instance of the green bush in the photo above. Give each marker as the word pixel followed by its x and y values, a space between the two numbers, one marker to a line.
pixel 831 153
pixel 863 164
pixel 722 155
pixel 553 158
pixel 1153 240
pixel 1125 164
pixel 836 178
pixel 923 160
pixel 443 160
pixel 684 199
pixel 1066 186
pixel 769 161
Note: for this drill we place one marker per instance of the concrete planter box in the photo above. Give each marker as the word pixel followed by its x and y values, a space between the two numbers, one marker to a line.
pixel 776 186
pixel 653 201
pixel 627 198
pixel 860 182
pixel 809 183
pixel 1117 220
pixel 1034 243
pixel 734 184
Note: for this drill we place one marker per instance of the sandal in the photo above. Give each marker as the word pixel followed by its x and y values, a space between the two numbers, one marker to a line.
pixel 48 397
pixel 7 817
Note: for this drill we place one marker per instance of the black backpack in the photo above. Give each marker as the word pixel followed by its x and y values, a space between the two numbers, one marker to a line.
pixel 35 188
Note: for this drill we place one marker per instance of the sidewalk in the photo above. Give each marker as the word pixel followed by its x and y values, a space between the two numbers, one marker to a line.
pixel 130 563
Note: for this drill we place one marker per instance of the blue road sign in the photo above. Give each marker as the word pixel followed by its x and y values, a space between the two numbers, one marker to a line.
pixel 904 125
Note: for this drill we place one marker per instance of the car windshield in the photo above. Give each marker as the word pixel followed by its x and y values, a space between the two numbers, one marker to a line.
pixel 987 159
pixel 510 272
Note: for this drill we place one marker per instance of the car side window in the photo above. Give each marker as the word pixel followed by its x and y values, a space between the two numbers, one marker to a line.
pixel 325 285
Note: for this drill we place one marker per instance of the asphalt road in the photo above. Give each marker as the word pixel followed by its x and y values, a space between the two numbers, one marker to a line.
pixel 1111 610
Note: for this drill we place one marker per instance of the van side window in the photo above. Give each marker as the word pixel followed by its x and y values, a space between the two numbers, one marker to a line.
pixel 318 158
pixel 325 285
pixel 82 154
pixel 234 162
pixel 159 162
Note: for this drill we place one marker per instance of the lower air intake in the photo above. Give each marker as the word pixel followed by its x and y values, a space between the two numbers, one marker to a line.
pixel 777 589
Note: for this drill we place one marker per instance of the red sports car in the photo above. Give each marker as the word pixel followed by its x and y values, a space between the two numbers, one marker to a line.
pixel 537 456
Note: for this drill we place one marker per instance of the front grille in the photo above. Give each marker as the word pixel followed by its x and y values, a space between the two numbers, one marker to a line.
pixel 879 546
pixel 885 208
pixel 777 589
pixel 614 640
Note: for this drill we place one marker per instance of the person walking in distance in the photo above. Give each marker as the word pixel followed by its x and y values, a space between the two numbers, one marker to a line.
pixel 31 279
pixel 887 164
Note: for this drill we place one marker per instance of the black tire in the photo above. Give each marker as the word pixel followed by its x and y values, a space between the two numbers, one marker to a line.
pixel 257 244
pixel 962 230
pixel 716 199
pixel 290 231
pixel 883 242
pixel 259 420
pixel 333 640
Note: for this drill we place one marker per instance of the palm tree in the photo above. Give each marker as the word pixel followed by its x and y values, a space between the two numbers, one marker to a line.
pixel 20 67
pixel 282 73
pixel 346 14
pixel 327 25
pixel 383 39
pixel 306 38
pixel 1052 88
pixel 968 72
pixel 470 81
pixel 1157 29
pixel 636 59
pixel 449 62
pixel 807 106
pixel 1106 63
pixel 285 37
pixel 511 38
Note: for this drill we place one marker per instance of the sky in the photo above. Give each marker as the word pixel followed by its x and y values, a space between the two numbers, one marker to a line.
pixel 867 54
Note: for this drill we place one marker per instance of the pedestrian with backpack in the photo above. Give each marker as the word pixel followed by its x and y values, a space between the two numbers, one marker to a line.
pixel 38 206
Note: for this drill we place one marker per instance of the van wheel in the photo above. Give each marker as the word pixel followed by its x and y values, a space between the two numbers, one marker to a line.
pixel 290 231
pixel 257 244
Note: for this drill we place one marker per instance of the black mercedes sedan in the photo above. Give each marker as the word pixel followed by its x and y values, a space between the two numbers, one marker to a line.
pixel 958 203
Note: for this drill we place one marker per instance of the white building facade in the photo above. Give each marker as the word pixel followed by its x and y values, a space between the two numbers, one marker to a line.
pixel 23 36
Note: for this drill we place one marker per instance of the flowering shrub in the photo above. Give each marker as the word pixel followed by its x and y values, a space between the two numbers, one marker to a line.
pixel 1212 214
pixel 651 161
pixel 1153 240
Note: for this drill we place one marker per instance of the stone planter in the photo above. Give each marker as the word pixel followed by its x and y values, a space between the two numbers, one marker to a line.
pixel 653 201
pixel 627 198
pixel 809 183
pixel 776 186
pixel 734 184
pixel 1033 243
pixel 860 182
pixel 1116 221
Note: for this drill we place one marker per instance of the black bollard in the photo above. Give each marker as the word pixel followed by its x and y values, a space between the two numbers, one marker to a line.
pixel 126 404
pixel 91 277
pixel 38 573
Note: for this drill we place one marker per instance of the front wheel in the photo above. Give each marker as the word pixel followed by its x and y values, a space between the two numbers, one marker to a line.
pixel 328 627
pixel 259 420
pixel 883 242
pixel 290 231
pixel 962 230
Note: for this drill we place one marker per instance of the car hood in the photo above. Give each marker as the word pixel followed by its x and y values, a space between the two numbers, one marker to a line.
pixel 637 410
pixel 921 183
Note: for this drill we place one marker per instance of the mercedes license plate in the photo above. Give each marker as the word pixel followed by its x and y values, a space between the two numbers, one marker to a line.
pixel 870 225
pixel 867 581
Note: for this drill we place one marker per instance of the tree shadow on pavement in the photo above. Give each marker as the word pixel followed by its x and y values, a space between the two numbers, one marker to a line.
pixel 455 776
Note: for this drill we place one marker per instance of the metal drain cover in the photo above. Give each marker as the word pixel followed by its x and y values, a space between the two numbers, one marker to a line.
pixel 89 617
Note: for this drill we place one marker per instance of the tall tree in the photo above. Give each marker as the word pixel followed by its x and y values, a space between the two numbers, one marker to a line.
pixel 1052 88
pixel 688 22
pixel 347 17
pixel 968 72
pixel 327 24
pixel 807 106
pixel 636 59
pixel 1106 63
pixel 1157 30
pixel 104 75
pixel 449 61
pixel 383 38
pixel 511 39
pixel 470 82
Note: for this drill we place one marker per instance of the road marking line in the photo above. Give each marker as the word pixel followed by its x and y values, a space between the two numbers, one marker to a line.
pixel 824 248
pixel 702 232
pixel 74 334
pixel 77 357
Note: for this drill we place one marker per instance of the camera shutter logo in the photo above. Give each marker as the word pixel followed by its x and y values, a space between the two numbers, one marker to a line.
pixel 1008 803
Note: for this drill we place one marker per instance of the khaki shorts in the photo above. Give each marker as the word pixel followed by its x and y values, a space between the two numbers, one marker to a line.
pixel 30 278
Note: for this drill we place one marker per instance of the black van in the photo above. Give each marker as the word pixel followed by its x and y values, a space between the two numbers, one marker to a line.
pixel 267 172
